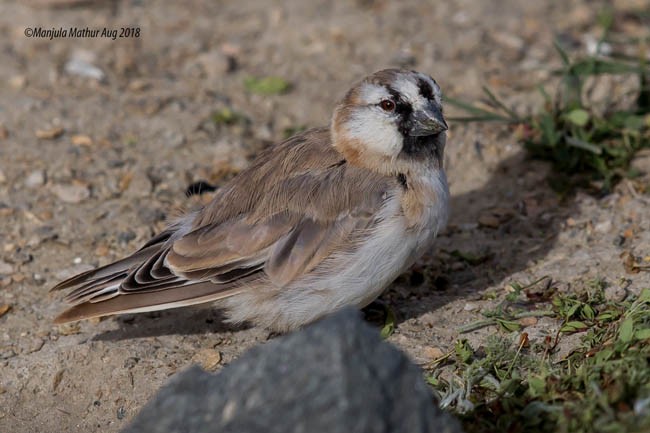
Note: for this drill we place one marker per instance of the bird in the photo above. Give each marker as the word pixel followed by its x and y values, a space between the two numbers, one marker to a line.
pixel 323 220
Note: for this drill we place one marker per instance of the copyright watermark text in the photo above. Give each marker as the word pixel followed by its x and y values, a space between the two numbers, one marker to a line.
pixel 82 32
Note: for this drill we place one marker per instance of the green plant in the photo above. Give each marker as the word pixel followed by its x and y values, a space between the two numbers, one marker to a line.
pixel 601 385
pixel 583 144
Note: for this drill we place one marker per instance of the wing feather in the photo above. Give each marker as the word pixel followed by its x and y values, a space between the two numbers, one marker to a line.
pixel 276 221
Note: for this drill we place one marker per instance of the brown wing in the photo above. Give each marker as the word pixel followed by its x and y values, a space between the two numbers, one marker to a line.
pixel 274 222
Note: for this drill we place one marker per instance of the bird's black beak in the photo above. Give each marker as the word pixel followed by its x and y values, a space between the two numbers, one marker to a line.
pixel 428 121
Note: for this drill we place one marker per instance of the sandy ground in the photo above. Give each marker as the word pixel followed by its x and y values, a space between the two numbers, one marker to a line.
pixel 131 144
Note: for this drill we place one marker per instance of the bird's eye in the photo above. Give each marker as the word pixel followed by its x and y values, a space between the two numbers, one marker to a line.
pixel 387 105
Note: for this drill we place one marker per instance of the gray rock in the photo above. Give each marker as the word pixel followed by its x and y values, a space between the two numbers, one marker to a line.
pixel 334 376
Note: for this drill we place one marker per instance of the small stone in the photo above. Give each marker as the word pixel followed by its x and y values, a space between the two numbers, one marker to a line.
pixel 81 64
pixel 470 307
pixel 69 328
pixel 209 359
pixel 528 321
pixel 4 309
pixel 131 362
pixel 102 251
pixel 73 193
pixel 136 184
pixel 56 380
pixel 508 40
pixel 126 236
pixel 138 85
pixel 215 64
pixel 467 227
pixel 4 133
pixel 18 81
pixel 493 218
pixel 36 179
pixel 81 140
pixel 615 293
pixel 50 134
pixel 173 139
pixel 5 210
pixel 6 353
pixel 603 226
pixel 433 353
pixel 6 268
pixel 3 178
pixel 489 221
pixel 35 345
pixel 641 161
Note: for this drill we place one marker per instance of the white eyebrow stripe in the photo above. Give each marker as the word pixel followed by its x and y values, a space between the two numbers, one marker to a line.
pixel 373 93
pixel 410 91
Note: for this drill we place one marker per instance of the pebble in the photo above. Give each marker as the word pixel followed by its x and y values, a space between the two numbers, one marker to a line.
pixel 18 82
pixel 6 268
pixel 615 293
pixel 49 134
pixel 470 307
pixel 138 184
pixel 34 345
pixel 209 359
pixel 173 139
pixel 468 227
pixel 81 63
pixel 215 64
pixel 489 221
pixel 4 309
pixel 508 40
pixel 56 380
pixel 36 179
pixel 528 321
pixel 3 178
pixel 69 328
pixel 81 140
pixel 432 353
pixel 603 226
pixel 6 353
pixel 72 193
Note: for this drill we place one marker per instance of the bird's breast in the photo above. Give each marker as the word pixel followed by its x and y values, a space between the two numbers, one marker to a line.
pixel 425 202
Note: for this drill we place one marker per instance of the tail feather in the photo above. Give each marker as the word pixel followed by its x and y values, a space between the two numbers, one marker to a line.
pixel 88 290
pixel 111 269
pixel 150 301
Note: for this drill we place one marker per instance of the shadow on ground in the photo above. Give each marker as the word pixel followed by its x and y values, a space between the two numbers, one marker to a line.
pixel 522 218
pixel 181 321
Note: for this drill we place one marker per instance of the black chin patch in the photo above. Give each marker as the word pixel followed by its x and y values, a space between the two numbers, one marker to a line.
pixel 417 145
pixel 422 147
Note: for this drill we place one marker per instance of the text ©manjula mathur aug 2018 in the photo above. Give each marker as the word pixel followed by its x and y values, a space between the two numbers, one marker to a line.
pixel 82 32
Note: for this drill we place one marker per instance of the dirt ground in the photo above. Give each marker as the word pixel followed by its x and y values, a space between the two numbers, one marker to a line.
pixel 130 143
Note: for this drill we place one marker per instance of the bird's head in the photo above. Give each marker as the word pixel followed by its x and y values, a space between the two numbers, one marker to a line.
pixel 390 120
